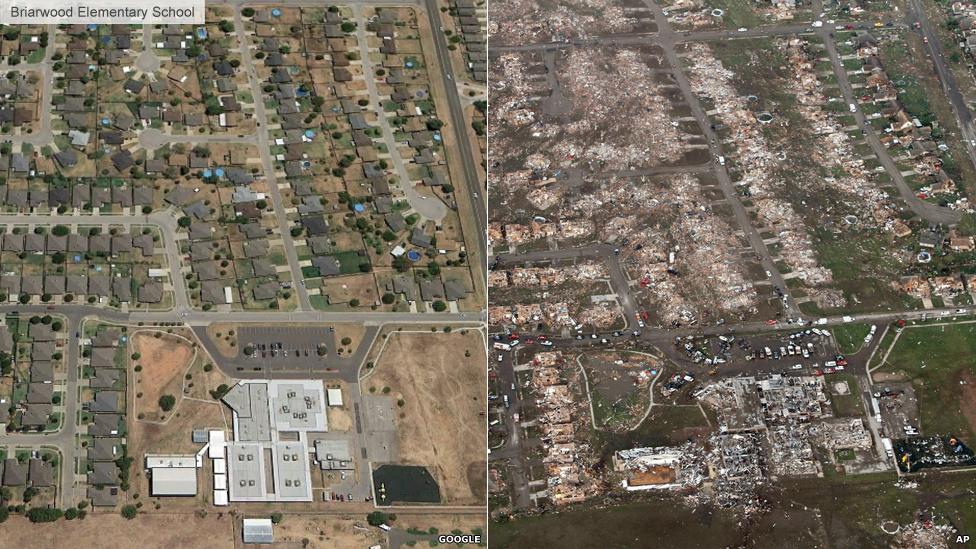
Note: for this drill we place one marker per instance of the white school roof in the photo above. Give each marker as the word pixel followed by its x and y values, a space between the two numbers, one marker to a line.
pixel 174 481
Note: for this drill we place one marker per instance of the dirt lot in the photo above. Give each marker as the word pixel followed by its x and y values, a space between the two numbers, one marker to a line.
pixel 225 340
pixel 443 523
pixel 163 360
pixel 353 331
pixel 328 532
pixel 152 531
pixel 443 394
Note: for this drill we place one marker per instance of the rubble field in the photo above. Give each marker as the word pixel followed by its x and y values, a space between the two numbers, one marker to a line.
pixel 555 297
pixel 593 109
pixel 535 21
pixel 829 217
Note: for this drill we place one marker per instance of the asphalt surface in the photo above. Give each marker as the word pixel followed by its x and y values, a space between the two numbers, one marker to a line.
pixel 964 116
pixel 472 184
pixel 429 207
pixel 267 164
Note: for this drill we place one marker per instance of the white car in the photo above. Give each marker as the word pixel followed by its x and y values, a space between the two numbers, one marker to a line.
pixel 546 343
pixel 797 367
pixel 743 29
pixel 852 107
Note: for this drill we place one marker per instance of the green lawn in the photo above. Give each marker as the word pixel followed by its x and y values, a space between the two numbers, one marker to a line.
pixel 845 454
pixel 850 337
pixel 936 358
pixel 848 405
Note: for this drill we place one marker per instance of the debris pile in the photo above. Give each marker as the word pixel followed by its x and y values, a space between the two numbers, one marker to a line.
pixel 531 21
pixel 756 162
pixel 568 473
pixel 661 468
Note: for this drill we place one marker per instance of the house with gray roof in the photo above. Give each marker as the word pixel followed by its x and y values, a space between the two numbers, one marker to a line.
pixel 54 285
pixel 32 285
pixel 431 290
pixel 40 393
pixel 255 248
pixel 151 292
pixel 37 415
pixel 34 243
pixel 13 242
pixel 102 357
pixel 76 284
pixel 105 449
pixel 105 425
pixel 103 496
pixel 105 402
pixel 212 291
pixel 263 267
pixel 267 290
pixel 104 378
pixel 14 472
pixel 41 473
pixel 41 372
pixel 99 285
pixel 57 243
pixel 103 473
pixel 122 288
pixel 326 264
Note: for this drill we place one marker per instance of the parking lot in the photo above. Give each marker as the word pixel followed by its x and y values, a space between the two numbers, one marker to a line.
pixel 803 352
pixel 293 347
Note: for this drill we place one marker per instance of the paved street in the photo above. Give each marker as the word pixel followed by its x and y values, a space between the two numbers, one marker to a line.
pixel 429 207
pixel 267 164
pixel 478 198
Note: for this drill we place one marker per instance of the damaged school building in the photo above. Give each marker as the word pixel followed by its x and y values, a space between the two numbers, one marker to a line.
pixel 794 414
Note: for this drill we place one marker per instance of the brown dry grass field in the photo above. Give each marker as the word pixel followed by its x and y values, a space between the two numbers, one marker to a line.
pixel 173 437
pixel 163 360
pixel 223 342
pixel 327 532
pixel 444 523
pixel 443 391
pixel 111 531
pixel 352 331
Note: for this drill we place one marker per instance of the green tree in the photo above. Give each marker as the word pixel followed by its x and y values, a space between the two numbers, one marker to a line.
pixel 130 512
pixel 166 402
pixel 44 514
pixel 439 306
pixel 376 518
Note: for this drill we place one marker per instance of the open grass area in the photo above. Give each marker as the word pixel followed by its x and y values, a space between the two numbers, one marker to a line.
pixel 850 337
pixel 841 511
pixel 847 405
pixel 939 362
